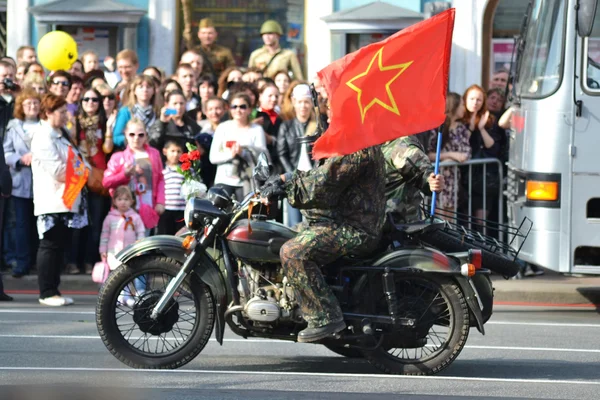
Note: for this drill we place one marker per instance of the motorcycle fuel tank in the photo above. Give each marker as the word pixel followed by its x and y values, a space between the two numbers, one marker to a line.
pixel 260 242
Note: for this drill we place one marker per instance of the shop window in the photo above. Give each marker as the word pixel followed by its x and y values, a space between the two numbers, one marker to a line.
pixel 238 24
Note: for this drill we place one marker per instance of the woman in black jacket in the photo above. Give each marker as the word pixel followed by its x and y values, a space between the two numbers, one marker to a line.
pixel 173 124
pixel 293 155
pixel 267 102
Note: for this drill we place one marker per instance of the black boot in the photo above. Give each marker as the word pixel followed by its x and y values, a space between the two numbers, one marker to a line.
pixel 5 297
pixel 314 334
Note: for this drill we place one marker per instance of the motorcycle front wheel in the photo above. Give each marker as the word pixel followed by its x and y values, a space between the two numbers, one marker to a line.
pixel 441 315
pixel 126 301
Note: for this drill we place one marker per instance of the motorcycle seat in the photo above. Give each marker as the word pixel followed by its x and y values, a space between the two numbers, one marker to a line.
pixel 420 226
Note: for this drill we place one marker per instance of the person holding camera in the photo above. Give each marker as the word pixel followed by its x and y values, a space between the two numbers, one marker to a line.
pixel 7 100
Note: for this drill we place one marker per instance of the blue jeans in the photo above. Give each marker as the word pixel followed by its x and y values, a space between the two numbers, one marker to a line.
pixel 25 234
pixel 294 217
pixel 9 232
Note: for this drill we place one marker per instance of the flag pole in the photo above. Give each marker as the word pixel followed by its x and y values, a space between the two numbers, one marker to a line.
pixel 436 170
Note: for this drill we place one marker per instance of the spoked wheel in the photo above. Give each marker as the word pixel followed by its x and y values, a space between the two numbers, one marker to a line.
pixel 441 327
pixel 125 304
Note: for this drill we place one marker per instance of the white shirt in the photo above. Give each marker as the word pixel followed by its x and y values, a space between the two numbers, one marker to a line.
pixel 220 154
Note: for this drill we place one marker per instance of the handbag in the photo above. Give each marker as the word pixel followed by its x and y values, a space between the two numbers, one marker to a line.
pixel 100 272
pixel 94 182
pixel 148 215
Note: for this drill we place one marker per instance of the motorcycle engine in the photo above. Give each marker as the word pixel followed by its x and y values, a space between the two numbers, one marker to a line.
pixel 261 310
pixel 266 295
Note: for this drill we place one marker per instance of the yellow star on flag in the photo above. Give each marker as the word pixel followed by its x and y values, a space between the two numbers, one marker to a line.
pixel 365 92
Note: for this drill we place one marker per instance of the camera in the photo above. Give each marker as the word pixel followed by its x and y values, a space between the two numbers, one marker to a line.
pixel 9 84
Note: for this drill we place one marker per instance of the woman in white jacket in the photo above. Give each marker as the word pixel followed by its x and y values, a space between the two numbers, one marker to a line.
pixel 232 142
pixel 50 149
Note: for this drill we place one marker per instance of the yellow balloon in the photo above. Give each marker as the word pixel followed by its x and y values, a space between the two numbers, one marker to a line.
pixel 57 50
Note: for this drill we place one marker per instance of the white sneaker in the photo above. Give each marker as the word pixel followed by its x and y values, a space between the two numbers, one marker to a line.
pixel 56 301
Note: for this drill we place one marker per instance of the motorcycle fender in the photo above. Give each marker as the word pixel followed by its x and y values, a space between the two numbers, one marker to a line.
pixel 434 261
pixel 423 259
pixel 206 269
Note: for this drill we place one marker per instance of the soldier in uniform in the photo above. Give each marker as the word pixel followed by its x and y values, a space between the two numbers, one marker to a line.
pixel 344 205
pixel 408 174
pixel 216 58
pixel 271 58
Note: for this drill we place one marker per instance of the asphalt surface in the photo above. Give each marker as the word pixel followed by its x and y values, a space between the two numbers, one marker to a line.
pixel 527 352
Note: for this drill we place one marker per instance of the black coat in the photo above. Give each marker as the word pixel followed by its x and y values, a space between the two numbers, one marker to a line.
pixel 288 149
pixel 271 129
pixel 6 114
pixel 160 133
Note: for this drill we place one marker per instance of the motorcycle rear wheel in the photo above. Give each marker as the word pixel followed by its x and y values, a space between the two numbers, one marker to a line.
pixel 129 295
pixel 451 313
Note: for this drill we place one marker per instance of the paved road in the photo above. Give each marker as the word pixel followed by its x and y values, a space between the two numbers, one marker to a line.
pixel 526 353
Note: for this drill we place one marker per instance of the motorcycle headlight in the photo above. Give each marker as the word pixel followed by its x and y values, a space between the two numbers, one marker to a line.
pixel 188 213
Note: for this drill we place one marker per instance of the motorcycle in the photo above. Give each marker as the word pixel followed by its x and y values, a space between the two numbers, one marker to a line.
pixel 408 307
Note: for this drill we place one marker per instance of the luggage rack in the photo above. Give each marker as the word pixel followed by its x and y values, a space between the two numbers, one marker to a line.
pixel 475 231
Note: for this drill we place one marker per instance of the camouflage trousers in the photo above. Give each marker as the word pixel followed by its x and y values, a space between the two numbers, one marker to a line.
pixel 302 257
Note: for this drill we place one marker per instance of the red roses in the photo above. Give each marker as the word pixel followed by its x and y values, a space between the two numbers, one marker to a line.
pixel 190 163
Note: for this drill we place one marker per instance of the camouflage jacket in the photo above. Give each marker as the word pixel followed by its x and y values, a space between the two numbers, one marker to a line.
pixel 285 60
pixel 407 169
pixel 344 190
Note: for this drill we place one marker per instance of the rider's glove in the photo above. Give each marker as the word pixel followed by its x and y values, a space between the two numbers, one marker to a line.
pixel 273 187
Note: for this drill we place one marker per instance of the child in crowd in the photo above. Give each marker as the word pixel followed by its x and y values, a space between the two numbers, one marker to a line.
pixel 172 219
pixel 122 226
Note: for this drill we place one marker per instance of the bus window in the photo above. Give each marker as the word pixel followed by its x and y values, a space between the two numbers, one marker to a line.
pixel 592 54
pixel 542 59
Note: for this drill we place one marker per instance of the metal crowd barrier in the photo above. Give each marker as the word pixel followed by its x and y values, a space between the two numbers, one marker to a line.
pixel 485 163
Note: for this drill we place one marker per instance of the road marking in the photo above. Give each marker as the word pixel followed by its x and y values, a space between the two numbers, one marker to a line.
pixel 549 324
pixel 313 374
pixel 474 347
pixel 553 324
pixel 45 311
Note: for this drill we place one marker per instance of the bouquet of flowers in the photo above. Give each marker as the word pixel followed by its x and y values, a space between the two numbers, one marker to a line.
pixel 190 169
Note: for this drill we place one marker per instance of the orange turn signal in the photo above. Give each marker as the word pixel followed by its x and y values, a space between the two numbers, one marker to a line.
pixel 188 242
pixel 542 190
pixel 467 270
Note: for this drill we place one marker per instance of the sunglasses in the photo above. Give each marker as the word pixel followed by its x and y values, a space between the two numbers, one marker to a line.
pixel 240 106
pixel 92 99
pixel 110 97
pixel 133 134
pixel 64 83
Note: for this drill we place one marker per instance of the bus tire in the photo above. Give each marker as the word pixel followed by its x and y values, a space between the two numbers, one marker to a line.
pixel 494 262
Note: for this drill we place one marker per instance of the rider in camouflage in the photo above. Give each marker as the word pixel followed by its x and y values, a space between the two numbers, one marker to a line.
pixel 343 200
pixel 408 174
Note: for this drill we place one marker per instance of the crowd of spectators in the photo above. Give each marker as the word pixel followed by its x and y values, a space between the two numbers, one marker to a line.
pixel 129 129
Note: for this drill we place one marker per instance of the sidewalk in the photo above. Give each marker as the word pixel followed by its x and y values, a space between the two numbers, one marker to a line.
pixel 550 288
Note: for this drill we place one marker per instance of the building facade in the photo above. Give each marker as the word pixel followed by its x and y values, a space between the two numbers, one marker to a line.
pixel 319 31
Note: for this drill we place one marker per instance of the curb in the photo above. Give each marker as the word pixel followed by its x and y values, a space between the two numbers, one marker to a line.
pixel 552 290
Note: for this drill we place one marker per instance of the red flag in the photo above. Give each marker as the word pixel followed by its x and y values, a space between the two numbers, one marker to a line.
pixel 393 88
pixel 76 177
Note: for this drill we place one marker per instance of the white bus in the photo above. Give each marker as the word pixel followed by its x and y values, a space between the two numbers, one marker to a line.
pixel 554 162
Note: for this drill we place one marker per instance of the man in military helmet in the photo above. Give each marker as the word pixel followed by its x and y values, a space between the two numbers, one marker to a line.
pixel 271 58
pixel 408 174
pixel 216 58
pixel 343 200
